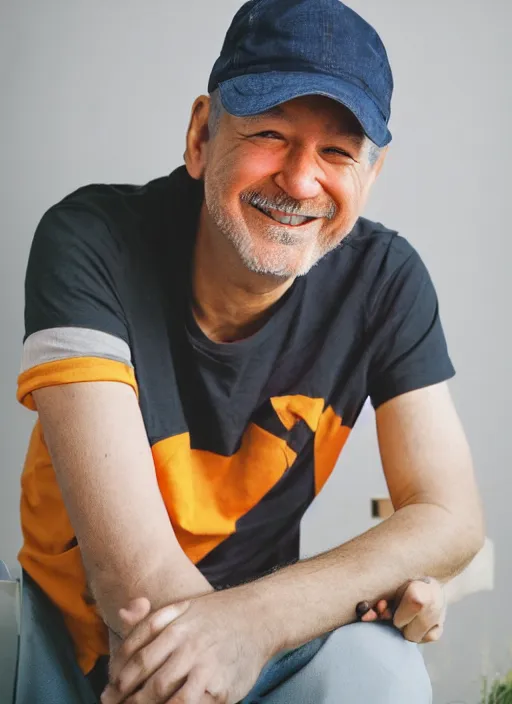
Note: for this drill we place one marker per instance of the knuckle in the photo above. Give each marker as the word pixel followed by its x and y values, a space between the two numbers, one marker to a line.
pixel 429 598
pixel 435 608
pixel 125 650
pixel 153 627
pixel 416 594
pixel 122 682
pixel 160 686
pixel 141 659
pixel 436 614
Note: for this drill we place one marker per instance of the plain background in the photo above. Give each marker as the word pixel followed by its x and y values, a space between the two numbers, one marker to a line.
pixel 95 91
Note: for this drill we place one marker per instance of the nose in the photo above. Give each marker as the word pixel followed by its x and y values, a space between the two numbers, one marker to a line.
pixel 299 175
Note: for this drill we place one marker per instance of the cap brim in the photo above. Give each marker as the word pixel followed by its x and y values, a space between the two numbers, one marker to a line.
pixel 253 93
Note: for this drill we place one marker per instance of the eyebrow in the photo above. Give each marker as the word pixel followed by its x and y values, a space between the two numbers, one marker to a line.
pixel 356 137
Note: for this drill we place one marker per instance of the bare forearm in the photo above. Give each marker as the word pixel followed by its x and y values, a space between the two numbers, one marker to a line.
pixel 104 466
pixel 163 584
pixel 317 595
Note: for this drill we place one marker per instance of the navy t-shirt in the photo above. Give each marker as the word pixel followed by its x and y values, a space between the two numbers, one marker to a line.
pixel 244 435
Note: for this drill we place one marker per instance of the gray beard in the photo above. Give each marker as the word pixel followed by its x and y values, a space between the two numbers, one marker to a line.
pixel 274 265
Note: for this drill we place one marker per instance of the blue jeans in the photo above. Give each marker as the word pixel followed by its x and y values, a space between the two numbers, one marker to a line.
pixel 281 668
pixel 358 663
pixel 273 674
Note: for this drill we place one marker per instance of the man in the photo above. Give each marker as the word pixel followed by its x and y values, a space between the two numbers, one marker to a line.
pixel 198 350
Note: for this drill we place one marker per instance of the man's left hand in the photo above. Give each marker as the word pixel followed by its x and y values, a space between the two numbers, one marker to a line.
pixel 209 649
pixel 418 610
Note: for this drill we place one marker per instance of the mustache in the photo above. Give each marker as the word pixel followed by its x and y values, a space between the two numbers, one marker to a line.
pixel 287 204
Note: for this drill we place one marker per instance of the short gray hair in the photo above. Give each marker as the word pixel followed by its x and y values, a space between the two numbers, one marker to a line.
pixel 373 152
pixel 217 109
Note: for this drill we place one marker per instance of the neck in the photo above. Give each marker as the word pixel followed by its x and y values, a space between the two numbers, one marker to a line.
pixel 229 302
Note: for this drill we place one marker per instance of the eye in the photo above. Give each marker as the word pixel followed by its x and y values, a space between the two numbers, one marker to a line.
pixel 268 134
pixel 338 152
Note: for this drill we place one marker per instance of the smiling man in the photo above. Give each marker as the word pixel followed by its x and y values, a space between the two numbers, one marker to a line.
pixel 198 350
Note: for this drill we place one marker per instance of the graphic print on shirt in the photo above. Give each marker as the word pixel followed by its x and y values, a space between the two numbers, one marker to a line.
pixel 243 435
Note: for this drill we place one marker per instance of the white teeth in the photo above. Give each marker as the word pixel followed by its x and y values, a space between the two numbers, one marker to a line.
pixel 288 219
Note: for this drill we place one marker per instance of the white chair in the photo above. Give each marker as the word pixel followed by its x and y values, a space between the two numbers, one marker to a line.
pixel 10 598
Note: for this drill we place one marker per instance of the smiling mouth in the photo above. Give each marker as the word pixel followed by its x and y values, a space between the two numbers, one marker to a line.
pixel 284 218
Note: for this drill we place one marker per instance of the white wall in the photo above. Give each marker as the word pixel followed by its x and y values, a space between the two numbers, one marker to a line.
pixel 95 91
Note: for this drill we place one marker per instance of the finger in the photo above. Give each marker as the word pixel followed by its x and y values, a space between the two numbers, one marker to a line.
pixel 110 695
pixel 399 596
pixel 381 606
pixel 387 615
pixel 416 597
pixel 164 683
pixel 370 616
pixel 433 635
pixel 147 661
pixel 429 596
pixel 192 692
pixel 406 612
pixel 137 610
pixel 366 614
pixel 416 630
pixel 383 610
pixel 144 633
pixel 438 593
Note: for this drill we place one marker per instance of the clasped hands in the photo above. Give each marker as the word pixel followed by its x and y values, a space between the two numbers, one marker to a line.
pixel 211 649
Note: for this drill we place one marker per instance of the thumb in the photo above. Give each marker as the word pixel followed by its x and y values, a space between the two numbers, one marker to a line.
pixel 168 614
pixel 399 596
pixel 136 611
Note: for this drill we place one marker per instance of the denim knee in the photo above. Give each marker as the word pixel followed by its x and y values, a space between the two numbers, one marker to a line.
pixel 380 652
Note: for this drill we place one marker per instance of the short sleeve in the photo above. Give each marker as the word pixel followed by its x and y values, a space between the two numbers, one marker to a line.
pixel 75 326
pixel 408 345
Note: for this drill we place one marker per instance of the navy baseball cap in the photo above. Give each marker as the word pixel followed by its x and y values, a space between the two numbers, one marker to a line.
pixel 277 50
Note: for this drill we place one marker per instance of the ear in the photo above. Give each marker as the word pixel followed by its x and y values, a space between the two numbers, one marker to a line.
pixel 198 137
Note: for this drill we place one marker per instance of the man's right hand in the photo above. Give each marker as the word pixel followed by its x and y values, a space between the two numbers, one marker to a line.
pixel 211 648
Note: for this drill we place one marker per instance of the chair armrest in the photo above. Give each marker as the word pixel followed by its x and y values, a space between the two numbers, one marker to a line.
pixel 9 632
